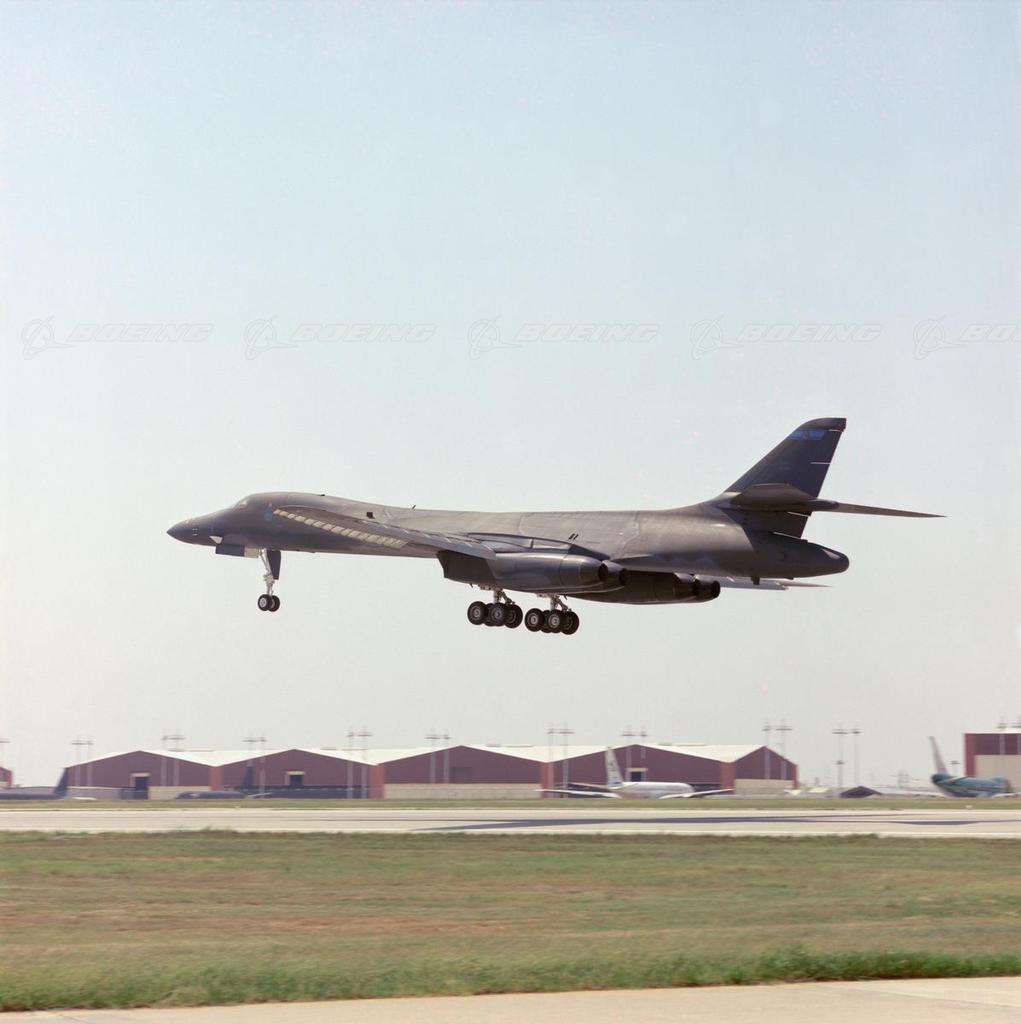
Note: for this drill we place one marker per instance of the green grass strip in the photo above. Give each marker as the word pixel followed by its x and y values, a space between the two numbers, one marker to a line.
pixel 67 985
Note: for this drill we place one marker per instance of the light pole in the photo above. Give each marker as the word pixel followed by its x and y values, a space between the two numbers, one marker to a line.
pixel 172 738
pixel 251 741
pixel 3 747
pixel 363 736
pixel 840 732
pixel 439 737
pixel 1002 725
pixel 855 733
pixel 783 728
pixel 767 732
pixel 564 732
pixel 629 734
pixel 550 732
pixel 78 743
pixel 350 764
pixel 433 738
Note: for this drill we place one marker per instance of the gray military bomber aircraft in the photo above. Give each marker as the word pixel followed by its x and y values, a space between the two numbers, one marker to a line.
pixel 748 536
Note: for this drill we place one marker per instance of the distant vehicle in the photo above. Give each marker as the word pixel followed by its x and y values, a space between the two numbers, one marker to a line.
pixel 617 788
pixel 747 537
pixel 963 785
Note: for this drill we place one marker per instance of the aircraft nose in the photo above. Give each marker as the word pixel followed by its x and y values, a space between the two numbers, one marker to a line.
pixel 181 530
pixel 191 531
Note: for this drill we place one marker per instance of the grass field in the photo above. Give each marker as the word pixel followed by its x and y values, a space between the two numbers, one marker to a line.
pixel 213 917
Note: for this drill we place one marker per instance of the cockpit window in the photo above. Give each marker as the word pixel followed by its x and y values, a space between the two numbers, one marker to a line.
pixel 243 503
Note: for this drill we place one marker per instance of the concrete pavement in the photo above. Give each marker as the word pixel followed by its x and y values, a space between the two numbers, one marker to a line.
pixel 976 823
pixel 940 1001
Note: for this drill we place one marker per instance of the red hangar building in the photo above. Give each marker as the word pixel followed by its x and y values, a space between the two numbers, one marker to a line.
pixel 991 754
pixel 460 771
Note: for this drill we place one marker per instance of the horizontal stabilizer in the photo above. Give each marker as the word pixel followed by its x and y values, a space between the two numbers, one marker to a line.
pixel 787 498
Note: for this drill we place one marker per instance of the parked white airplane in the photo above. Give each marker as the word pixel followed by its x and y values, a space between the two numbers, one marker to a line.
pixel 617 789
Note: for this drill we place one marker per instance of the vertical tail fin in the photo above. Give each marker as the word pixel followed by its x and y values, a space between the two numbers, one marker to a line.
pixel 613 776
pixel 937 758
pixel 801 459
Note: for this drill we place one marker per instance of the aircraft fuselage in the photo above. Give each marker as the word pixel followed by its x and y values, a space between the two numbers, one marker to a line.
pixel 701 538
pixel 748 536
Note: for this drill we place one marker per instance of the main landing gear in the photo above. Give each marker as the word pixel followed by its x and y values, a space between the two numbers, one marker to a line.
pixel 269 602
pixel 559 619
pixel 503 612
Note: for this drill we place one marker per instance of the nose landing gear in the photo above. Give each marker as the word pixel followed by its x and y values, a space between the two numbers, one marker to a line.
pixel 269 602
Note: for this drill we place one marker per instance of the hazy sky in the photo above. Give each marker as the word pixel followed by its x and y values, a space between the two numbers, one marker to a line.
pixel 245 175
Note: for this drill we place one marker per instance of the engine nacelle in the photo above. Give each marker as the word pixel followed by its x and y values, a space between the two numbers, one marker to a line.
pixel 660 588
pixel 540 572
pixel 612 574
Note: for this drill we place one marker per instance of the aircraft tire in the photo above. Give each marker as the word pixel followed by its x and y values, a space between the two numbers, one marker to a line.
pixel 274 603
pixel 515 616
pixel 265 602
pixel 477 612
pixel 571 624
pixel 497 614
pixel 534 620
pixel 555 620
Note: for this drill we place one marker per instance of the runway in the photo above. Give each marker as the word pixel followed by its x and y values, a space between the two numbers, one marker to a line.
pixel 1005 824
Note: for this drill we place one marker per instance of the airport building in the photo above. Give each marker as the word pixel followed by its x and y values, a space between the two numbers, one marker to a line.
pixel 451 772
pixel 991 754
pixel 6 778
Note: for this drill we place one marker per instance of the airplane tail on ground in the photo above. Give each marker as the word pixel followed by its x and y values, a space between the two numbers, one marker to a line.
pixel 937 758
pixel 613 776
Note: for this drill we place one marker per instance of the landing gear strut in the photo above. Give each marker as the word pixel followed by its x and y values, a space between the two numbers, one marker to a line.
pixel 504 612
pixel 501 612
pixel 269 602
pixel 559 619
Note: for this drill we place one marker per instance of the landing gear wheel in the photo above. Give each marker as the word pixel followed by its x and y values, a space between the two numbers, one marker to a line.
pixel 555 620
pixel 477 611
pixel 534 620
pixel 571 624
pixel 274 603
pixel 265 602
pixel 515 616
pixel 497 615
